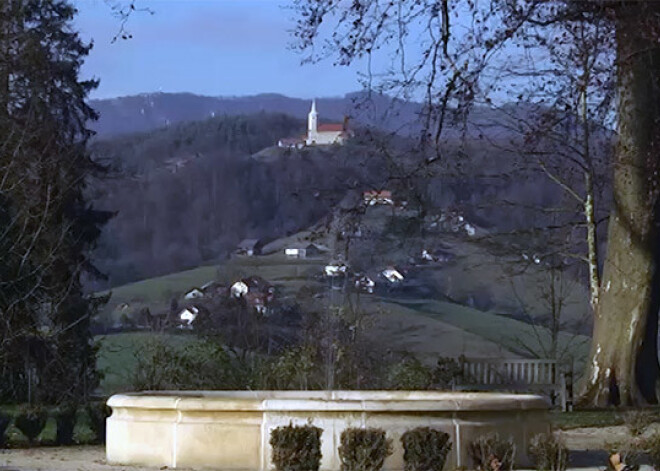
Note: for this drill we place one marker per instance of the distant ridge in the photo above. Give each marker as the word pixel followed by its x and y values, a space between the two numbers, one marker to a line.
pixel 147 111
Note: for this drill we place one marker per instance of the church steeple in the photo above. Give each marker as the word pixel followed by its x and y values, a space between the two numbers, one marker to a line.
pixel 312 120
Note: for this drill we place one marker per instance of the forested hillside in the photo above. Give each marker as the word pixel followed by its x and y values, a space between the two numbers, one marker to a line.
pixel 187 194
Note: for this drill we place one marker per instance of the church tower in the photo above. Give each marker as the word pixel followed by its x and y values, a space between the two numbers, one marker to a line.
pixel 312 124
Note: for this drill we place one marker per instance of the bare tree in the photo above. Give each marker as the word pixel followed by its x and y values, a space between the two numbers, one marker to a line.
pixel 449 71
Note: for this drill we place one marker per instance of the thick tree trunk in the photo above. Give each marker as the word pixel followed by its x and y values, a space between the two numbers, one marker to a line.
pixel 623 365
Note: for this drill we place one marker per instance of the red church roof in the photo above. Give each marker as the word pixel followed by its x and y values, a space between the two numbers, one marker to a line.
pixel 334 127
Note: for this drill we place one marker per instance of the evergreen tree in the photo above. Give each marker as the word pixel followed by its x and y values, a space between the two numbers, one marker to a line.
pixel 47 228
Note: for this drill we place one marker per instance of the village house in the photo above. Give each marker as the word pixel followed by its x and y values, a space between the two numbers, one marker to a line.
pixel 194 293
pixel 430 255
pixel 238 289
pixel 374 197
pixel 257 301
pixel 254 285
pixel 392 275
pixel 249 247
pixel 304 250
pixel 335 269
pixel 364 283
pixel 187 316
pixel 292 142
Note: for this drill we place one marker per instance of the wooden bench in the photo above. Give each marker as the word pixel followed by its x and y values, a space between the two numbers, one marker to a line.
pixel 541 376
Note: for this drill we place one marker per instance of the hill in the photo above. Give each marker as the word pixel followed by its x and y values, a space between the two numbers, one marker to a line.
pixel 427 328
pixel 146 112
pixel 188 193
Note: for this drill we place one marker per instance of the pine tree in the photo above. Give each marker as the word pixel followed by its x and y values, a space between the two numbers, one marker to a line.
pixel 47 228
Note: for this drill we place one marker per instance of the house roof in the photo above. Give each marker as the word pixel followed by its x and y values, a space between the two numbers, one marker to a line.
pixel 248 243
pixel 376 193
pixel 330 127
pixel 307 245
pixel 256 282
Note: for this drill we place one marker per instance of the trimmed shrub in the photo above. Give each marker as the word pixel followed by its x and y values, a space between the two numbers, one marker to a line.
pixel 31 420
pixel 410 374
pixel 65 417
pixel 549 452
pixel 97 412
pixel 296 448
pixel 491 453
pixel 425 449
pixel 364 449
pixel 5 421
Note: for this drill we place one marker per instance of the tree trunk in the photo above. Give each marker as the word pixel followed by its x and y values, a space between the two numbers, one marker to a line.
pixel 623 366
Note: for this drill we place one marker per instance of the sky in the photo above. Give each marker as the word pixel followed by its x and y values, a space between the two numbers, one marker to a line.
pixel 206 47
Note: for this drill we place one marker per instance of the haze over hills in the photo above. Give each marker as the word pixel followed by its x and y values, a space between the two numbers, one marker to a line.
pixel 149 111
pixel 145 112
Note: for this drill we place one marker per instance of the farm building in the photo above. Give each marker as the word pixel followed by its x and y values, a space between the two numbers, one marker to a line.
pixel 249 247
pixel 392 275
pixel 374 197
pixel 304 250
pixel 194 293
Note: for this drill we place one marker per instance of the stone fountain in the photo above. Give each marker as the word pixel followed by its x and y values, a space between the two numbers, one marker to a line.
pixel 231 429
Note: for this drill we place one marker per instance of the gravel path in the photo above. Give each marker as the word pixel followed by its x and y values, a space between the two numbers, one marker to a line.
pixel 585 444
pixel 71 458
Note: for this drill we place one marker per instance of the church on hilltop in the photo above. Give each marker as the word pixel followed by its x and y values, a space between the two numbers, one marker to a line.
pixel 319 134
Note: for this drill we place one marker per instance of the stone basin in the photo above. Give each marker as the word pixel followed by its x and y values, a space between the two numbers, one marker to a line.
pixel 231 429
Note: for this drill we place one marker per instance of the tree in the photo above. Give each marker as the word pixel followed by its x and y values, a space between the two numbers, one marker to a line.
pixel 449 72
pixel 623 363
pixel 46 350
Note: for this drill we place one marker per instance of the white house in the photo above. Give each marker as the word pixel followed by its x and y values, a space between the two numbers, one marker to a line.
pixel 295 252
pixel 427 256
pixel 304 250
pixel 194 293
pixel 238 289
pixel 188 315
pixel 335 269
pixel 392 275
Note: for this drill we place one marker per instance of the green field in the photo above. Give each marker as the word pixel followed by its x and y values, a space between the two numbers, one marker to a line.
pixel 507 332
pixel 427 328
pixel 156 293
